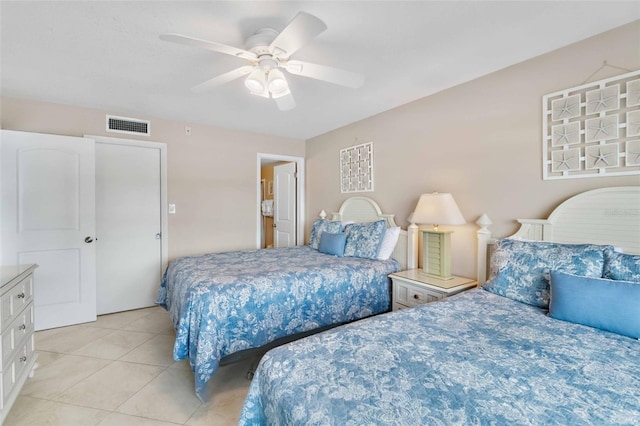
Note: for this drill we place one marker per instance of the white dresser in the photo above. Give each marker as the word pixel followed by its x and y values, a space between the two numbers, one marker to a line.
pixel 16 324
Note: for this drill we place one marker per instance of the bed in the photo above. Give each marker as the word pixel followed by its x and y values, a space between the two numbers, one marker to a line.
pixel 544 341
pixel 225 305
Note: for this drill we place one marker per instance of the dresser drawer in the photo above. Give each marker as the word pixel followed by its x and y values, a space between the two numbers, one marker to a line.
pixel 17 358
pixel 16 334
pixel 410 295
pixel 15 300
pixel 15 368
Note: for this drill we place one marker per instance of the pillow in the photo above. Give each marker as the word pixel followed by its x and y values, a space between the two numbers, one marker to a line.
pixel 364 239
pixel 331 243
pixel 520 269
pixel 388 243
pixel 320 226
pixel 620 266
pixel 596 302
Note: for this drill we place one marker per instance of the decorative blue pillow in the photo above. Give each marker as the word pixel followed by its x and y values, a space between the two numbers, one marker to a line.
pixel 331 243
pixel 320 226
pixel 364 239
pixel 596 302
pixel 621 266
pixel 520 269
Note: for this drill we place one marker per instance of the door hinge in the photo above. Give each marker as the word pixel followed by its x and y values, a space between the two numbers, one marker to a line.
pixel 295 175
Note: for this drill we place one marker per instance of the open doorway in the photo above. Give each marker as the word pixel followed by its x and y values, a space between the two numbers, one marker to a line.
pixel 280 180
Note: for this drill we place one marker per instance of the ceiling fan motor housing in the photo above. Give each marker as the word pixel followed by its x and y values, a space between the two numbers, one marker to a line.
pixel 259 42
pixel 267 63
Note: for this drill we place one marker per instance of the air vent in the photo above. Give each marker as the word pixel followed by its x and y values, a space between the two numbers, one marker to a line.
pixel 132 126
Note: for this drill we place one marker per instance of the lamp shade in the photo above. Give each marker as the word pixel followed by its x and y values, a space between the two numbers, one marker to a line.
pixel 437 209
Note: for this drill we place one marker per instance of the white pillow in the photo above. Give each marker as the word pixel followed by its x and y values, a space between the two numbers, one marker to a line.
pixel 388 243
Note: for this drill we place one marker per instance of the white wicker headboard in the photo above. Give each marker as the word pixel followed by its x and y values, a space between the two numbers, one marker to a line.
pixel 601 216
pixel 364 209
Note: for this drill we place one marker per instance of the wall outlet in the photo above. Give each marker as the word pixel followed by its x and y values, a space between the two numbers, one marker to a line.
pixel 172 209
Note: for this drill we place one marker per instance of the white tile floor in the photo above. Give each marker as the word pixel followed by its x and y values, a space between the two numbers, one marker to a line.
pixel 119 371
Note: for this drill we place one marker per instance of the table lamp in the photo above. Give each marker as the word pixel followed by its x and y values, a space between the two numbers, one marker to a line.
pixel 437 209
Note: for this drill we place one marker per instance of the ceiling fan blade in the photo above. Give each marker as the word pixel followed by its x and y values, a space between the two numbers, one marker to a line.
pixel 222 79
pixel 325 73
pixel 302 28
pixel 210 45
pixel 286 102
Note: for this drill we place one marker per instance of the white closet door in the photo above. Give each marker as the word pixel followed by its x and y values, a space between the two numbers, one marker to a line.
pixel 128 216
pixel 48 218
pixel 284 178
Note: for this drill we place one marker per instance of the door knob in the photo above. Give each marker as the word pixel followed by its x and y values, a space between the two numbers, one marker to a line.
pixel 88 240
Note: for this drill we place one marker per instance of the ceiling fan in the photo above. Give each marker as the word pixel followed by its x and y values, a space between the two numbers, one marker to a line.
pixel 268 52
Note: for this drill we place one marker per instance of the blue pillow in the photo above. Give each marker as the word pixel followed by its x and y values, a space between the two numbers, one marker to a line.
pixel 621 266
pixel 331 243
pixel 596 302
pixel 520 269
pixel 320 226
pixel 364 239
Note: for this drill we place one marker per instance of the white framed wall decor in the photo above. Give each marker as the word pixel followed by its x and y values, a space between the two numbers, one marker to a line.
pixel 356 168
pixel 592 130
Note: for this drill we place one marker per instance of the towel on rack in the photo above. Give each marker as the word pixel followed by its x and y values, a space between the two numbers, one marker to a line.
pixel 267 207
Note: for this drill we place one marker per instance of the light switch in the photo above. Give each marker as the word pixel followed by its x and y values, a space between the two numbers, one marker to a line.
pixel 172 209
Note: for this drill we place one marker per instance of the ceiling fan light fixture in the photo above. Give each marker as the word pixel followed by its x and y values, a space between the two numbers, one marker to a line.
pixel 256 82
pixel 268 51
pixel 277 84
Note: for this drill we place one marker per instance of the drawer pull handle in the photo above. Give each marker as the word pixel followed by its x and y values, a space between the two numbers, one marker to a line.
pixel 415 296
pixel 23 359
pixel 22 327
pixel 20 295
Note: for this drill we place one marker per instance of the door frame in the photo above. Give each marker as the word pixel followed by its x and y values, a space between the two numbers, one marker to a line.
pixel 164 218
pixel 300 199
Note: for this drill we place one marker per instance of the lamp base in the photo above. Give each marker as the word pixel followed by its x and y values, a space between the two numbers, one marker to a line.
pixel 436 255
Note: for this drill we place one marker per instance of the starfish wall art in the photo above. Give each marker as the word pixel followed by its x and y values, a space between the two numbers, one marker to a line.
pixel 593 130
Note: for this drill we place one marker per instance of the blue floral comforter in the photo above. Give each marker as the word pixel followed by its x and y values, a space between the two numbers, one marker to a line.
pixel 473 359
pixel 223 303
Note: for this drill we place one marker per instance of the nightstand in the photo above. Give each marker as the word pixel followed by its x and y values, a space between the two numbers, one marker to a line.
pixel 414 287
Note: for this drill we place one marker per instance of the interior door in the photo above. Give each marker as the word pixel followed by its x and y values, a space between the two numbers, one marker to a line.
pixel 128 221
pixel 48 218
pixel 284 180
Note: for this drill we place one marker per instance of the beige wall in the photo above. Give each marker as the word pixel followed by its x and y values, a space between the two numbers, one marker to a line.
pixel 211 174
pixel 481 141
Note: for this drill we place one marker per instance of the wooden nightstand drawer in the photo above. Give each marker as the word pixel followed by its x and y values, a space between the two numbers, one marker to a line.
pixel 410 295
pixel 412 288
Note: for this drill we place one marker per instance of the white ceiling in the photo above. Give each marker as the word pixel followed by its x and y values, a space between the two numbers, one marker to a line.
pixel 107 54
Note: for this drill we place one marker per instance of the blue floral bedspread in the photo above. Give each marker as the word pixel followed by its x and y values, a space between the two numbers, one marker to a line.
pixel 473 359
pixel 223 303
